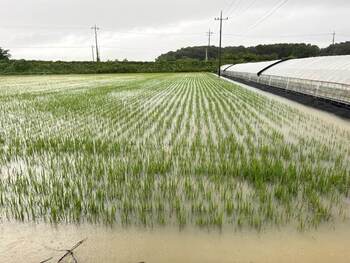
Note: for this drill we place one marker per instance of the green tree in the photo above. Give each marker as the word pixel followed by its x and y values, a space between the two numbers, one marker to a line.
pixel 4 54
pixel 337 49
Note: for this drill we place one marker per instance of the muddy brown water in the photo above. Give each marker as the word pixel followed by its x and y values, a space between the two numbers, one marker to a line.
pixel 34 243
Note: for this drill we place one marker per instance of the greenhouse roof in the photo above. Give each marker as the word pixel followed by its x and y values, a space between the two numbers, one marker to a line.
pixel 253 67
pixel 328 69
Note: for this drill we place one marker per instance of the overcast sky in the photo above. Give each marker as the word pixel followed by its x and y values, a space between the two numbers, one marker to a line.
pixel 143 29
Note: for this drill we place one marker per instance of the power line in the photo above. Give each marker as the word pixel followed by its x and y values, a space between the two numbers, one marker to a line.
pixel 238 8
pixel 105 29
pixel 232 6
pixel 341 34
pixel 243 11
pixel 275 36
pixel 49 47
pixel 267 15
pixel 321 34
pixel 81 47
pixel 92 49
pixel 43 27
pixel 157 33
pixel 209 34
pixel 95 28
pixel 220 42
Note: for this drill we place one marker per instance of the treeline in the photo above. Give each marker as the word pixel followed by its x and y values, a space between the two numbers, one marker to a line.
pixel 22 67
pixel 190 59
pixel 336 49
pixel 257 53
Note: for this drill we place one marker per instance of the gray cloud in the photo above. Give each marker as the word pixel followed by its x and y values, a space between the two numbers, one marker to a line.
pixel 141 30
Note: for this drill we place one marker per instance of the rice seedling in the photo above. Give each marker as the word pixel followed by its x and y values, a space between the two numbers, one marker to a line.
pixel 165 149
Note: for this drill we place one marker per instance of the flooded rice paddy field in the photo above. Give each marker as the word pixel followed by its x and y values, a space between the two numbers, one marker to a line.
pixel 184 167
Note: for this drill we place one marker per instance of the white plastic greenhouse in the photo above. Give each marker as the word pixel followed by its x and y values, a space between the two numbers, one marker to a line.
pixel 323 77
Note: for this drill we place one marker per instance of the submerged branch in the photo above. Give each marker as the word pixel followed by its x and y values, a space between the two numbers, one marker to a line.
pixel 69 252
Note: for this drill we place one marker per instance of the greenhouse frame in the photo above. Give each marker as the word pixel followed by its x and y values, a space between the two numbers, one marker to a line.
pixel 321 77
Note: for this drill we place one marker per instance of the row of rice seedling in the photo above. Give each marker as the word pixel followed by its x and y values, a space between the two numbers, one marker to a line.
pixel 166 149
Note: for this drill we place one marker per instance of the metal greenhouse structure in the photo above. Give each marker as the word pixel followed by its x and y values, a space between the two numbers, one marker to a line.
pixel 322 77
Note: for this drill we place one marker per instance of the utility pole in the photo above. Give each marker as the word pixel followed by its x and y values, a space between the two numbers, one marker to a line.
pixel 93 53
pixel 333 41
pixel 209 34
pixel 220 42
pixel 95 28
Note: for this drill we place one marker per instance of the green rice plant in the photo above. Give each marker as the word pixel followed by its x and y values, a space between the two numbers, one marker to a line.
pixel 166 149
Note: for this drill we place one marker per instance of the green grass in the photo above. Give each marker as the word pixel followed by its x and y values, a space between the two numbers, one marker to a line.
pixel 165 149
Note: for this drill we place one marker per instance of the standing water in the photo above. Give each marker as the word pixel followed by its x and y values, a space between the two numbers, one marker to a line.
pixel 35 243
